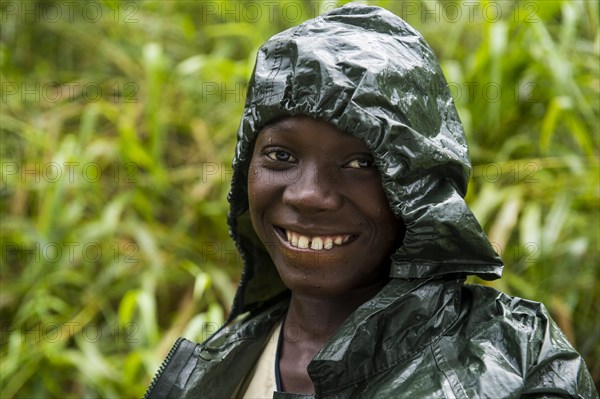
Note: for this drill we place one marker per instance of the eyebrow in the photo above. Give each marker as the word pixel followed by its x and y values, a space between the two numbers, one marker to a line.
pixel 280 125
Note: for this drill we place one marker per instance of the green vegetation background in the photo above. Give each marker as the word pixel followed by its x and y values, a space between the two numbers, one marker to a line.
pixel 118 127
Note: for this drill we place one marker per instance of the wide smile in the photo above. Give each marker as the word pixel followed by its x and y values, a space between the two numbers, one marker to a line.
pixel 315 242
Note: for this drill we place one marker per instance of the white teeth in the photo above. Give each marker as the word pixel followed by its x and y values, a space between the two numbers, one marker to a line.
pixel 317 243
pixel 303 242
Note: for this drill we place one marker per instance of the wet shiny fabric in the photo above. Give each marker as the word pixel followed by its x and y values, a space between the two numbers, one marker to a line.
pixel 426 334
pixel 415 339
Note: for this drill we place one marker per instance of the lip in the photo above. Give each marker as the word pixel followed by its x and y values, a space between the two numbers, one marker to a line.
pixel 280 232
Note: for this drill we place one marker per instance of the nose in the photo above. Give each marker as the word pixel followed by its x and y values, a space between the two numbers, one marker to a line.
pixel 313 189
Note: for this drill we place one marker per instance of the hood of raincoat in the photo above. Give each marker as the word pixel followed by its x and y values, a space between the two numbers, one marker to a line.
pixel 370 74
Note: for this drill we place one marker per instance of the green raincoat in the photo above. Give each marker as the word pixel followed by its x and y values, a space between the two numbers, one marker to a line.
pixel 425 334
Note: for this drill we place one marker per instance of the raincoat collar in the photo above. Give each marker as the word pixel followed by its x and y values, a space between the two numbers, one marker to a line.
pixel 404 318
pixel 406 315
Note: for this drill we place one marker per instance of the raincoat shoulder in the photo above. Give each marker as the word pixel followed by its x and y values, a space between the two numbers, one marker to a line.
pixel 510 347
pixel 433 339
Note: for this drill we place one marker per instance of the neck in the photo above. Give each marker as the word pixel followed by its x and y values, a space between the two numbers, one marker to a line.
pixel 314 319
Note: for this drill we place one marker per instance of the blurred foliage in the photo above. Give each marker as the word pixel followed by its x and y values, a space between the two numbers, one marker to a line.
pixel 118 125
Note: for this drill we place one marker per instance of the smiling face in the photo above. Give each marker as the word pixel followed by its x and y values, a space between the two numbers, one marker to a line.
pixel 317 204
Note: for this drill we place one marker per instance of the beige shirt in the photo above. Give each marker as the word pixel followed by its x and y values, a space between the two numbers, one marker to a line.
pixel 260 383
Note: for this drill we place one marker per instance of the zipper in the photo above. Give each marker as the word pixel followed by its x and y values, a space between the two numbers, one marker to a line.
pixel 162 367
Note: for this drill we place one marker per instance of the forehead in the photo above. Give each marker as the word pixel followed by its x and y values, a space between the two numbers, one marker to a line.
pixel 304 129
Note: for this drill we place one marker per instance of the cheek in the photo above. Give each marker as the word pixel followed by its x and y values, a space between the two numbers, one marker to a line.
pixel 382 215
pixel 262 195
pixel 253 183
pixel 258 182
pixel 255 197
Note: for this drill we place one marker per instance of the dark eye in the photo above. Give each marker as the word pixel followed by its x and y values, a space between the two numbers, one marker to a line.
pixel 359 163
pixel 280 155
